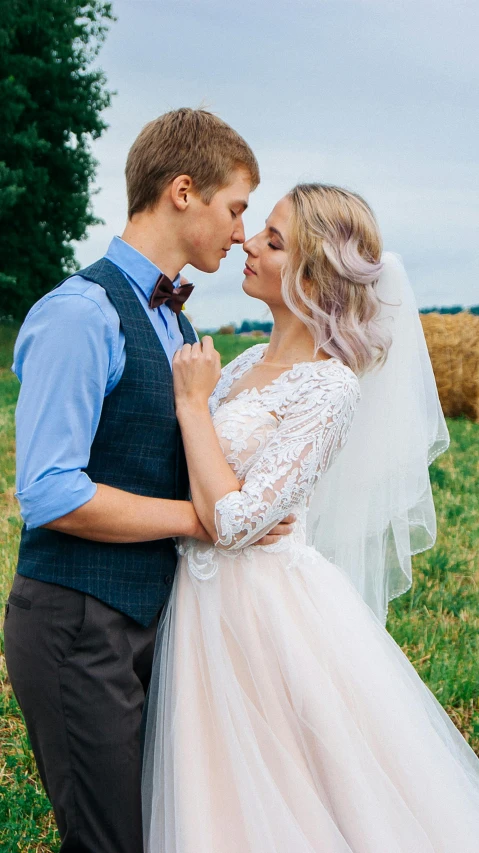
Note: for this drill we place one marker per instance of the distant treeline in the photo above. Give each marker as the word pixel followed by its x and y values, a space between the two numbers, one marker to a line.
pixel 248 326
pixel 453 309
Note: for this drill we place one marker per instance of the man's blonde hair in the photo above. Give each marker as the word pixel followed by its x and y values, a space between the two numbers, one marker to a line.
pixel 185 142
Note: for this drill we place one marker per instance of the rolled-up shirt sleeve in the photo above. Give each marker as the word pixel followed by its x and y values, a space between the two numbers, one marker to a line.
pixel 65 358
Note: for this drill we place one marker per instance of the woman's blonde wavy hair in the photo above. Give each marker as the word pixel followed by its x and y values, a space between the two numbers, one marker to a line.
pixel 330 277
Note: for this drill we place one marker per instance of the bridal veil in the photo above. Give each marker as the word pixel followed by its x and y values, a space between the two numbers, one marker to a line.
pixel 374 508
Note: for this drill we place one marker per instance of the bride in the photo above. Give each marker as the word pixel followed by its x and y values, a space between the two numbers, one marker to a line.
pixel 282 716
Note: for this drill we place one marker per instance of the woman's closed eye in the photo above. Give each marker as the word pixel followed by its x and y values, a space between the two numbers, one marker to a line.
pixel 272 246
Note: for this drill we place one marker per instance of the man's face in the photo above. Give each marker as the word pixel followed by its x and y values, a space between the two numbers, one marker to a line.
pixel 211 229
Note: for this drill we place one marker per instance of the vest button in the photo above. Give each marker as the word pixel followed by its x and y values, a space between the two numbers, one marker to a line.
pixel 168 580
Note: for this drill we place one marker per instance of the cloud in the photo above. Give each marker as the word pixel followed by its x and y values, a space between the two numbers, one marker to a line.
pixel 377 96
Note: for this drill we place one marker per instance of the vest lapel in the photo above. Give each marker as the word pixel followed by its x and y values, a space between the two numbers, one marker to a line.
pixel 186 329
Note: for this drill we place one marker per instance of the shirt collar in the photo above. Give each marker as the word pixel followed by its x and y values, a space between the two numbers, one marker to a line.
pixel 135 265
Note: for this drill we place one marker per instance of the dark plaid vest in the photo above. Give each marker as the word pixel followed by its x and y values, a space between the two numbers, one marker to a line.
pixel 137 448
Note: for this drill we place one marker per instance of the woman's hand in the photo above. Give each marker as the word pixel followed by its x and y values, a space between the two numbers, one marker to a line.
pixel 196 370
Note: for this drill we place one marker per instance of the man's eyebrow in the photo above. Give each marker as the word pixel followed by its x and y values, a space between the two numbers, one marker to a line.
pixel 241 203
pixel 275 231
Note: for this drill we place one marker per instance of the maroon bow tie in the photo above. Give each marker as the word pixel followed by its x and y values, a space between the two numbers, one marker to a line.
pixel 175 297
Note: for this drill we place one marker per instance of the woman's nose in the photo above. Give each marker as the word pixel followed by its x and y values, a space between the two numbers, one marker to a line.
pixel 249 246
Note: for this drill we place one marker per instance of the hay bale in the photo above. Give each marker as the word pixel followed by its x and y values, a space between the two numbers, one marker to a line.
pixel 453 344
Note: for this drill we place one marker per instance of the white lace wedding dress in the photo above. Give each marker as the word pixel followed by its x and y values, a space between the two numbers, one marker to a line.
pixel 282 716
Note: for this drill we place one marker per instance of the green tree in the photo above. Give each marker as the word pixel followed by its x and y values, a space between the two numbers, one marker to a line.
pixel 51 100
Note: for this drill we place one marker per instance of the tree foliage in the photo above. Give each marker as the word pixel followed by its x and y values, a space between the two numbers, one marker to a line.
pixel 51 100
pixel 255 326
pixel 452 309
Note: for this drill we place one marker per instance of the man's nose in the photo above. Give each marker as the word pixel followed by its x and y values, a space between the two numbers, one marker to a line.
pixel 238 233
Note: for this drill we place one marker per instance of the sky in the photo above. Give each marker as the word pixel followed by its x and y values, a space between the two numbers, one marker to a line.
pixel 377 96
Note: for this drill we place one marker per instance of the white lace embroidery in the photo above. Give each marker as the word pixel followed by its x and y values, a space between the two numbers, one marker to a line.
pixel 279 440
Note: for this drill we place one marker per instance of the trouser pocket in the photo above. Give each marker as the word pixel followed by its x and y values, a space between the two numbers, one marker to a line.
pixel 43 617
pixel 16 598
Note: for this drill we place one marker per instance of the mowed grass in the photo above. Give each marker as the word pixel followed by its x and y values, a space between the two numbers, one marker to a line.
pixel 26 820
pixel 436 623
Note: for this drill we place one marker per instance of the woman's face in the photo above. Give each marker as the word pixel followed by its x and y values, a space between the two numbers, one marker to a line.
pixel 266 253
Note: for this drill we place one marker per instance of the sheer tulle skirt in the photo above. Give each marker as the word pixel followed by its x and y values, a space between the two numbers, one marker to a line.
pixel 283 718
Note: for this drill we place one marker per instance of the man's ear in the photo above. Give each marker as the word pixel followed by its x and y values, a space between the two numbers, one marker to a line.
pixel 180 191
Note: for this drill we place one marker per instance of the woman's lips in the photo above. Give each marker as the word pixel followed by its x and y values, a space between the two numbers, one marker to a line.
pixel 248 271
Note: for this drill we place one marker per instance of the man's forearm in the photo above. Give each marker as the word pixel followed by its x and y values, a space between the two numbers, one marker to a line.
pixel 113 515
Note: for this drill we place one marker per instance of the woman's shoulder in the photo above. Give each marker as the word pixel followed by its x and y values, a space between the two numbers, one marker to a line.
pixel 326 373
pixel 320 389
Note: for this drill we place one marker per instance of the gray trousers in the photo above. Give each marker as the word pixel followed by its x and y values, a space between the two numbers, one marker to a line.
pixel 80 671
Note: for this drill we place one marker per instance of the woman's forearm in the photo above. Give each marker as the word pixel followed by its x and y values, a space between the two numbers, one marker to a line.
pixel 196 370
pixel 113 515
pixel 211 478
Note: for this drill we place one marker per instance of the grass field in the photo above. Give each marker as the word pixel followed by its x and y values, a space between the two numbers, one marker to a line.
pixel 436 623
pixel 232 345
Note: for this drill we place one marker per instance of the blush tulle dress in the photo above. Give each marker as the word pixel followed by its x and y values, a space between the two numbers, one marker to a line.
pixel 282 717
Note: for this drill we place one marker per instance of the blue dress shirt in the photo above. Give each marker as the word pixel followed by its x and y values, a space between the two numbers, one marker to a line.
pixel 69 355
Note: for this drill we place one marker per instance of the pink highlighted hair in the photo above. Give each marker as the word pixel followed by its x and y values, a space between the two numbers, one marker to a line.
pixel 330 278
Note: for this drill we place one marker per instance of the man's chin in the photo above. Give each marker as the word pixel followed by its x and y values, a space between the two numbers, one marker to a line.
pixel 209 266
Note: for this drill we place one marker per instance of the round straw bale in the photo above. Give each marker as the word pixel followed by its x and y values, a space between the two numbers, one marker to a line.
pixel 453 344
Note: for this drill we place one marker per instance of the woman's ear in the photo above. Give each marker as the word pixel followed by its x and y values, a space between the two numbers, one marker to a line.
pixel 307 281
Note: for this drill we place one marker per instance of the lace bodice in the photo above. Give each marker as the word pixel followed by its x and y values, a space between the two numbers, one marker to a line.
pixel 279 440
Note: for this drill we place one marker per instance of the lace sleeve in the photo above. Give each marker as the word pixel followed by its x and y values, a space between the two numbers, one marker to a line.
pixel 311 431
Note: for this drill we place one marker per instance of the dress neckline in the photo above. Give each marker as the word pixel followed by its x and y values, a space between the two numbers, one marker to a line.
pixel 261 349
pixel 296 363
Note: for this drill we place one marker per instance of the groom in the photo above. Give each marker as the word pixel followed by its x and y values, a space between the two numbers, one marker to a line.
pixel 102 479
